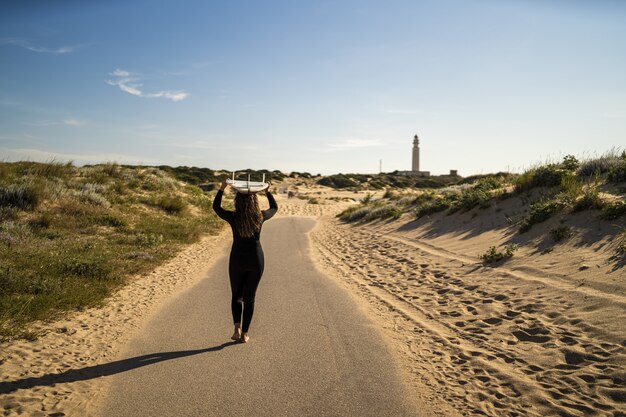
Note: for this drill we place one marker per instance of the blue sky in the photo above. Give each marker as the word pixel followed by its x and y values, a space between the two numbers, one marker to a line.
pixel 318 86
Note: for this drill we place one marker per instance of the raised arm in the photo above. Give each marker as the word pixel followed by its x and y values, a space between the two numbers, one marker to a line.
pixel 217 205
pixel 269 213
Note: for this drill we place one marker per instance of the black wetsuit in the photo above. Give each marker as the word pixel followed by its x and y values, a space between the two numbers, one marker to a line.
pixel 246 262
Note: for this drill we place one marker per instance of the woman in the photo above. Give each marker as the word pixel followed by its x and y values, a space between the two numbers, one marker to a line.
pixel 246 256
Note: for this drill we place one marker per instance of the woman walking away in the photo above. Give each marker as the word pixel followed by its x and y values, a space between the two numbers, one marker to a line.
pixel 246 255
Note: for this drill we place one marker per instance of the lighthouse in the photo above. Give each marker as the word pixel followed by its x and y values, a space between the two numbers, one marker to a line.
pixel 416 154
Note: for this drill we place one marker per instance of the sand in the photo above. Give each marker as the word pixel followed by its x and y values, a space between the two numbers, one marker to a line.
pixel 540 335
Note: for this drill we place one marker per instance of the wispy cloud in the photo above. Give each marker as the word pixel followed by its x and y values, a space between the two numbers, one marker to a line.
pixel 65 122
pixel 23 43
pixel 348 144
pixel 129 83
pixel 402 111
pixel 73 122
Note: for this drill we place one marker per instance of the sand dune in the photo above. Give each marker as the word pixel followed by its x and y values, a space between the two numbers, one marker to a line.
pixel 517 340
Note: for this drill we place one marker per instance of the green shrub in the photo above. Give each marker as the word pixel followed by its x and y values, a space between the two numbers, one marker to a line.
pixel 50 169
pixel 617 173
pixel 473 197
pixel 590 200
pixel 148 239
pixel 550 175
pixel 86 268
pixel 494 255
pixel 570 163
pixel 337 181
pixel 571 188
pixel 433 206
pixel 92 197
pixel 560 233
pixel 540 212
pixel 599 166
pixel 353 214
pixel 110 219
pixel 171 204
pixel 613 210
pixel 383 212
pixel 25 196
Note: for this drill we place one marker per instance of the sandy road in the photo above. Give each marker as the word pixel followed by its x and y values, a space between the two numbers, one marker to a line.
pixel 313 351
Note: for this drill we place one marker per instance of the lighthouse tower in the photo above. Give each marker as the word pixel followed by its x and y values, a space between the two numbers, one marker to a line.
pixel 416 154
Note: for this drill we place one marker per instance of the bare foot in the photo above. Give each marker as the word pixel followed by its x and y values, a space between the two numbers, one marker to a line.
pixel 237 334
pixel 244 338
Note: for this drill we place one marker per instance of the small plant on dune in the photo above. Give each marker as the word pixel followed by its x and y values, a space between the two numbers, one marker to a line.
pixel 571 188
pixel 50 169
pixel 353 214
pixel 549 175
pixel 313 200
pixel 171 204
pixel 112 169
pixel 430 207
pixel 110 219
pixel 473 197
pixel 494 255
pixel 337 181
pixel 148 239
pixel 24 196
pixel 570 163
pixel 590 200
pixel 540 212
pixel 613 210
pixel 560 233
pixel 92 197
pixel 383 212
pixel 617 173
pixel 86 267
pixel 599 166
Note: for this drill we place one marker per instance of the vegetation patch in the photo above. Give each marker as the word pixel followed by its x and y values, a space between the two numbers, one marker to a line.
pixel 69 236
pixel 435 205
pixel 353 214
pixel 560 233
pixel 540 212
pixel 493 254
pixel 613 210
pixel 389 211
pixel 337 181
pixel 589 200
pixel 602 165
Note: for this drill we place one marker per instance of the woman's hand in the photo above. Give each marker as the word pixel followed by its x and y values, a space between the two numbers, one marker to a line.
pixel 224 184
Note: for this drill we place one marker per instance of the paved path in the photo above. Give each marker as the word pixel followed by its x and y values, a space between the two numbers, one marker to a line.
pixel 312 352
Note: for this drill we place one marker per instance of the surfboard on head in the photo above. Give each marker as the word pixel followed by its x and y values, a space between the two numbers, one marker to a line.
pixel 247 187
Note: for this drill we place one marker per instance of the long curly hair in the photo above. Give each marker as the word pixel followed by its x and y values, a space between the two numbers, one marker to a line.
pixel 248 216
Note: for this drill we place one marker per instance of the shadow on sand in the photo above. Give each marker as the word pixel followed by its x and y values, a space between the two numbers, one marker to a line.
pixel 104 369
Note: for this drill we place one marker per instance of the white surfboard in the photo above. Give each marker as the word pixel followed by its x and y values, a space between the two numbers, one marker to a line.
pixel 247 187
